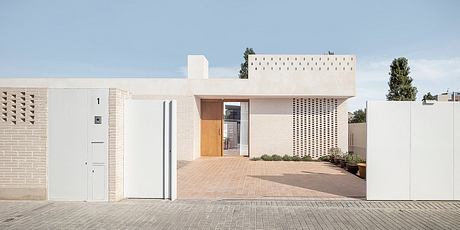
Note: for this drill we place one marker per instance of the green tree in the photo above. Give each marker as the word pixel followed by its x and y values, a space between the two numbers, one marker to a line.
pixel 244 66
pixel 400 83
pixel 358 116
pixel 428 96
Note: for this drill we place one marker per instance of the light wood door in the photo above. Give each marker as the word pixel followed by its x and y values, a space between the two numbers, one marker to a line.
pixel 211 127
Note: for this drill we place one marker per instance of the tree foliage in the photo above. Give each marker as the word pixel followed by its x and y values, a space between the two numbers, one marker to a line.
pixel 400 83
pixel 244 66
pixel 358 116
pixel 428 96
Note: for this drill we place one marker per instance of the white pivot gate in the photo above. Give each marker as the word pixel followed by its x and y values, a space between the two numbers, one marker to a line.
pixel 150 149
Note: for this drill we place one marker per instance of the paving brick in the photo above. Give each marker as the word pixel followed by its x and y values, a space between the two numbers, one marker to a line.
pixel 239 177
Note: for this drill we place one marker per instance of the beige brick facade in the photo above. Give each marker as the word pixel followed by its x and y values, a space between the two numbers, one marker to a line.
pixel 116 120
pixel 23 143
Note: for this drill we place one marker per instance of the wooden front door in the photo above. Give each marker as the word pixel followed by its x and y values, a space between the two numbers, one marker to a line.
pixel 211 127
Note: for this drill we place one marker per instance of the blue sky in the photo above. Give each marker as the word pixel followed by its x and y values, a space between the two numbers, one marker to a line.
pixel 141 38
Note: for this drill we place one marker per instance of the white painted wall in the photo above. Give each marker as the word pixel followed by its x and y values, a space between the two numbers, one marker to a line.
pixel 411 151
pixel 270 127
pixel 388 151
pixel 67 171
pixel 342 124
pixel 197 67
pixel 456 152
pixel 244 128
pixel 432 146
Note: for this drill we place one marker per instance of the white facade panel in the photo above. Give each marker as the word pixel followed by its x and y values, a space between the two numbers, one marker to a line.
pixel 67 171
pixel 456 151
pixel 143 158
pixel 77 145
pixel 98 183
pixel 388 150
pixel 270 125
pixel 411 149
pixel 431 151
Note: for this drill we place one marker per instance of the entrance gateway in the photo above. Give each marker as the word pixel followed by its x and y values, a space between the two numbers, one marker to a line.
pixel 224 127
pixel 79 153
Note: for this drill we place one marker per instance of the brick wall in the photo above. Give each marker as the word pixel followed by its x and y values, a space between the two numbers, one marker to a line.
pixel 23 143
pixel 116 111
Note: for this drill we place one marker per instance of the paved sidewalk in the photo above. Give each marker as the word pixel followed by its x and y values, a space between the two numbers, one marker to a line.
pixel 229 214
pixel 239 177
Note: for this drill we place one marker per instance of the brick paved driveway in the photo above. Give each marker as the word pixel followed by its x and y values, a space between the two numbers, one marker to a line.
pixel 230 214
pixel 238 177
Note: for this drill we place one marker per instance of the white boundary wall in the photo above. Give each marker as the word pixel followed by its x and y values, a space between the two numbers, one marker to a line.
pixel 413 151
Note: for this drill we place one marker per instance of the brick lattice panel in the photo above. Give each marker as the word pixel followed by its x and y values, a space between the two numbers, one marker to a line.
pixel 314 128
pixel 23 143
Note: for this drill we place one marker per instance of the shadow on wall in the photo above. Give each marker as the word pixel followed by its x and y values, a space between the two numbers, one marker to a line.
pixel 182 163
pixel 340 183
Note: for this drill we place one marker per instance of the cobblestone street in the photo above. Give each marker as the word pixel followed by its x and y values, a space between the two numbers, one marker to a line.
pixel 229 214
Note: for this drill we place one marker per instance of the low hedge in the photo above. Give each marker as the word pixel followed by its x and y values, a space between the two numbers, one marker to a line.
pixel 286 157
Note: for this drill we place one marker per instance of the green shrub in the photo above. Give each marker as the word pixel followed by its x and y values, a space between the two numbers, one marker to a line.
pixel 255 159
pixel 335 152
pixel 353 158
pixel 324 158
pixel 287 158
pixel 306 158
pixel 276 157
pixel 296 158
pixel 266 157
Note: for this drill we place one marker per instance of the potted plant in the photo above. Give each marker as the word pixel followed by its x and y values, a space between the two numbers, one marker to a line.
pixel 334 155
pixel 352 161
pixel 343 161
pixel 362 169
pixel 331 158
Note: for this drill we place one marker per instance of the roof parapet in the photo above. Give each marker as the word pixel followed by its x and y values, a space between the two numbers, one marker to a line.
pixel 197 67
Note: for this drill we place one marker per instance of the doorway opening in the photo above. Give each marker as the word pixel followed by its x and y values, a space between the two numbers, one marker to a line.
pixel 224 127
pixel 236 128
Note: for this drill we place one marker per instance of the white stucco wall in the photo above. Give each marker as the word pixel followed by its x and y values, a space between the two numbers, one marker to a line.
pixel 342 117
pixel 270 127
pixel 197 67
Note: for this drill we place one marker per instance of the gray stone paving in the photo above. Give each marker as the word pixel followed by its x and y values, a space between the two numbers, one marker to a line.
pixel 230 214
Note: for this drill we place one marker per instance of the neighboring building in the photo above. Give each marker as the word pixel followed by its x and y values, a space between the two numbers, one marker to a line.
pixel 454 96
pixel 296 106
